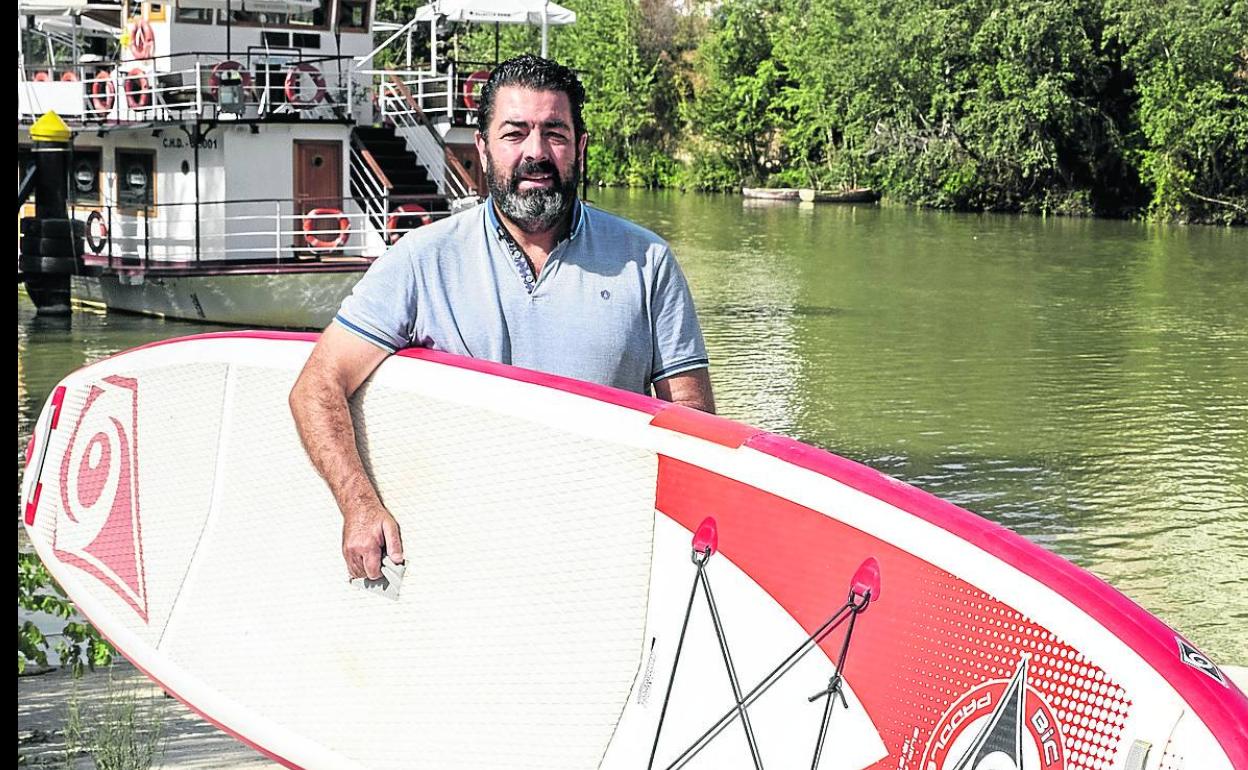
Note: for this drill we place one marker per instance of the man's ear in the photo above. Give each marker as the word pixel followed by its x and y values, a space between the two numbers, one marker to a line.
pixel 581 144
pixel 480 141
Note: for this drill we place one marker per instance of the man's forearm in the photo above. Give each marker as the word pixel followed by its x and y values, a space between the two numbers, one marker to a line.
pixel 323 419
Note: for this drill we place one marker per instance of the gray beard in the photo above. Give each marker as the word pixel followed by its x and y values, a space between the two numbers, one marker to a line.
pixel 533 211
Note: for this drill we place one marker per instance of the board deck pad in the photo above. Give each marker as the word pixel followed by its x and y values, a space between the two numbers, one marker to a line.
pixel 548 529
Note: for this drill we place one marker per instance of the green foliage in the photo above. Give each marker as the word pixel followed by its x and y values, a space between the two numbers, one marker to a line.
pixel 980 104
pixel 626 103
pixel 710 170
pixel 1111 107
pixel 80 646
pixel 738 87
pixel 1190 58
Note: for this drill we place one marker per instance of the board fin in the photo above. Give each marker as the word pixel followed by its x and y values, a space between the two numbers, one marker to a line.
pixel 388 584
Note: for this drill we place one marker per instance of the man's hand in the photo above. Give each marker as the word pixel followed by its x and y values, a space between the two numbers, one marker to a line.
pixel 366 535
pixel 339 364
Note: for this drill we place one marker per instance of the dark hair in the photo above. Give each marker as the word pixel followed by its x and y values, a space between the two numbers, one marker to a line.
pixel 537 74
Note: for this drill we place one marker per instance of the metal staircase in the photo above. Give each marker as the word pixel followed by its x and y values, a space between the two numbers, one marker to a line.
pixel 390 184
pixel 402 173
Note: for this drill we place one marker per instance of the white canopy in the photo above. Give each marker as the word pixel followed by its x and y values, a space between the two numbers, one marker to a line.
pixel 86 26
pixel 255 6
pixel 50 7
pixel 534 12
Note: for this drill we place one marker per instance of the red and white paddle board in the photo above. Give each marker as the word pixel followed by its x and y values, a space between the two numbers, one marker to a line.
pixel 594 579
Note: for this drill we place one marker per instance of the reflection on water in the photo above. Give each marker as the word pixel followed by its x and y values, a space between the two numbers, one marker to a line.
pixel 1084 383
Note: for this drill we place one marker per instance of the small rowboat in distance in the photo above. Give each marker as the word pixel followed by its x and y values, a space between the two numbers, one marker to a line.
pixel 771 193
pixel 855 195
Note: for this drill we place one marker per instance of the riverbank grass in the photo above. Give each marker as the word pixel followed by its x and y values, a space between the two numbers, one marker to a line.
pixel 121 730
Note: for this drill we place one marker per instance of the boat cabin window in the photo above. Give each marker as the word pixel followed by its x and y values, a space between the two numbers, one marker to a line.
pixel 193 15
pixel 353 15
pixel 316 17
pixel 291 40
pixel 136 179
pixel 84 176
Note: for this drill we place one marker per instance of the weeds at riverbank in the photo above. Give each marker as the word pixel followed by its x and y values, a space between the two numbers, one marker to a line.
pixel 123 730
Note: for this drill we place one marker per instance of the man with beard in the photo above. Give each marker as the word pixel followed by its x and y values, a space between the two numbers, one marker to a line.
pixel 532 277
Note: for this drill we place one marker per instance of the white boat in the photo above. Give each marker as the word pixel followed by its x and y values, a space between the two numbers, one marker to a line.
pixel 243 161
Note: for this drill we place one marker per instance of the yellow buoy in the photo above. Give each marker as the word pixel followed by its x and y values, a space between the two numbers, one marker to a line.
pixel 50 128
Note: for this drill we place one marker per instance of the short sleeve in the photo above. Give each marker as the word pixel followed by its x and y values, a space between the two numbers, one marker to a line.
pixel 381 308
pixel 677 336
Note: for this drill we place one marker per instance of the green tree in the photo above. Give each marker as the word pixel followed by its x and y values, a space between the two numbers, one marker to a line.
pixel 736 103
pixel 1190 60
pixel 1110 107
pixel 621 81
pixel 604 47
pixel 980 104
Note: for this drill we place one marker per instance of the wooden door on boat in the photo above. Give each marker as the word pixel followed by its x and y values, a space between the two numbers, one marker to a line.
pixel 318 185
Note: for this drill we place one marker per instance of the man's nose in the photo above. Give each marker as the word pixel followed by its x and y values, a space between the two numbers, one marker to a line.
pixel 536 147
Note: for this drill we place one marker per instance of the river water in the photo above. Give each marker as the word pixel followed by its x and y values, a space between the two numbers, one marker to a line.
pixel 1082 382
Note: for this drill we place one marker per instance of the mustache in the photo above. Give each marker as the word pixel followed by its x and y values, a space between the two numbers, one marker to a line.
pixel 532 167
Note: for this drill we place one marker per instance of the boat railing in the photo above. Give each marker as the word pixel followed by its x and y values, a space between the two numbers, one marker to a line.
pixel 369 183
pixel 401 108
pixel 446 90
pixel 445 97
pixel 258 231
pixel 256 83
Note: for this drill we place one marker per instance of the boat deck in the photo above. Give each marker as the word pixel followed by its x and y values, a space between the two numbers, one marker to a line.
pixel 98 266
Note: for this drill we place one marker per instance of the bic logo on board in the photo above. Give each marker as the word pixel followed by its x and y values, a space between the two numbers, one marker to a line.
pixel 99 529
pixel 999 725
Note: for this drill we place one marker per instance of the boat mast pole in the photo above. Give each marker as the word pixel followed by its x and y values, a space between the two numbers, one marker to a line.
pixel 195 150
pixel 73 51
pixel 545 26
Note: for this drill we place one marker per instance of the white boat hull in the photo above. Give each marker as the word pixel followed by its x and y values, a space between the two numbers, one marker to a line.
pixel 285 301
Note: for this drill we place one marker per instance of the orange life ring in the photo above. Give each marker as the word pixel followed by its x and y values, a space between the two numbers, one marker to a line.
pixel 470 87
pixel 229 65
pixel 103 92
pixel 142 39
pixel 97 245
pixel 392 223
pixel 69 76
pixel 138 89
pixel 292 86
pixel 42 76
pixel 312 234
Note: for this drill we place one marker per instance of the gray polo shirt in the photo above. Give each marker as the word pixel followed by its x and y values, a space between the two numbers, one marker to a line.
pixel 611 305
